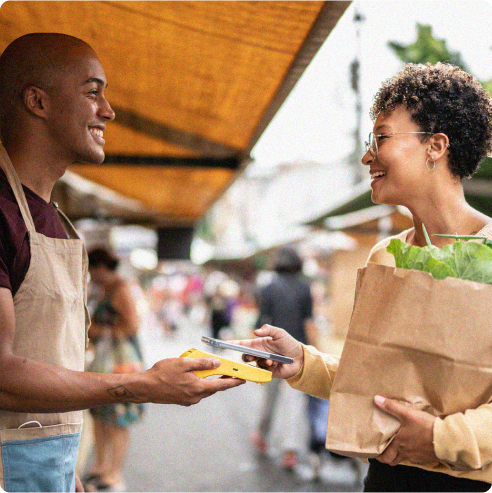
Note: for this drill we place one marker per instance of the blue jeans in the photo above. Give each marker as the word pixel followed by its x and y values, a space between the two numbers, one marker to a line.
pixel 41 464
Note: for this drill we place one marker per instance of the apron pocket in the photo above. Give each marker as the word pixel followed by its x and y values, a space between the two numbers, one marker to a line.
pixel 40 464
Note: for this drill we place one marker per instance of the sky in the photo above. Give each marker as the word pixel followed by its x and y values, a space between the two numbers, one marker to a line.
pixel 317 120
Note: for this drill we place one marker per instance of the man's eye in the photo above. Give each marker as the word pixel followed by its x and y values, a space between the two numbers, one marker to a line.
pixel 382 137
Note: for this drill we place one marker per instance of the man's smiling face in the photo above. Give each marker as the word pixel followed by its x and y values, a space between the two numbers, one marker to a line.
pixel 80 111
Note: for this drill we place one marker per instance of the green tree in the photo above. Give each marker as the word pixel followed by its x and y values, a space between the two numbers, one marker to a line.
pixel 488 86
pixel 426 48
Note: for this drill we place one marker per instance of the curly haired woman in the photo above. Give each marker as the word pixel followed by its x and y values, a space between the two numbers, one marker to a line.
pixel 432 127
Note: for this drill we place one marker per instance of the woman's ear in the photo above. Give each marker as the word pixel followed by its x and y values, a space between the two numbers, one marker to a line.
pixel 35 100
pixel 439 144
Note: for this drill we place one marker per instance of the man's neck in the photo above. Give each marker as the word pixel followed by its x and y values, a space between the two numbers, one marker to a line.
pixel 37 174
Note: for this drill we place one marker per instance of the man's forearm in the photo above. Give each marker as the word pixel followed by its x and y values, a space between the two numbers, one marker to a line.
pixel 31 386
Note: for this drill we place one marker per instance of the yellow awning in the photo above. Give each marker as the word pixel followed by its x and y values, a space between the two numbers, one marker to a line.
pixel 193 85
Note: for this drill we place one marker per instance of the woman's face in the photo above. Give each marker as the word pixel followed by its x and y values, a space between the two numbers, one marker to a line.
pixel 398 170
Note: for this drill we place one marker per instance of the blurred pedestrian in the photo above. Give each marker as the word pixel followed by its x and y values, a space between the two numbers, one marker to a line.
pixel 219 317
pixel 285 302
pixel 113 333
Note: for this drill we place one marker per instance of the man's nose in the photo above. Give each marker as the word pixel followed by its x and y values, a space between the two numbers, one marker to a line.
pixel 106 111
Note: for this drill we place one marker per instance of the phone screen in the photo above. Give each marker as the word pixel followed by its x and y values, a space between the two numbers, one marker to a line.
pixel 247 350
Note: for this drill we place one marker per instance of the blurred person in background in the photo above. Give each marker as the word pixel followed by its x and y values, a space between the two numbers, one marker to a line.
pixel 285 302
pixel 113 333
pixel 219 316
pixel 245 313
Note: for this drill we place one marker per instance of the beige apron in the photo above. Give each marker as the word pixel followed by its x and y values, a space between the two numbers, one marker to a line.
pixel 51 326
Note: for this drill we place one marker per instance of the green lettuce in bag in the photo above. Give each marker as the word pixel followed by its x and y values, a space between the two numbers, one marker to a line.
pixel 471 261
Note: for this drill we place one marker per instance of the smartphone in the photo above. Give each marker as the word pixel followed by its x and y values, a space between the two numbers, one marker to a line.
pixel 247 350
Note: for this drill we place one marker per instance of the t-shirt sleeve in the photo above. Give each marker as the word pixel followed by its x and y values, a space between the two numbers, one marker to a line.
pixel 4 246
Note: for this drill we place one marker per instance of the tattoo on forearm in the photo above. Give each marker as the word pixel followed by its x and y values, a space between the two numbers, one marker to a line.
pixel 120 393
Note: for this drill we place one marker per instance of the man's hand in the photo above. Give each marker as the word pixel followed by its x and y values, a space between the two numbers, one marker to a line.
pixel 174 381
pixel 275 340
pixel 414 440
pixel 79 487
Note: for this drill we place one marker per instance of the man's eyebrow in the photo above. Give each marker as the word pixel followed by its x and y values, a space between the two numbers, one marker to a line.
pixel 97 81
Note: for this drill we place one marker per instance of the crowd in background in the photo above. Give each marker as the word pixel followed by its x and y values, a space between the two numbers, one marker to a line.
pixel 221 302
pixel 181 297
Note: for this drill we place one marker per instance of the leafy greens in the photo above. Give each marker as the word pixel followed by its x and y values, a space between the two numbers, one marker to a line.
pixel 467 260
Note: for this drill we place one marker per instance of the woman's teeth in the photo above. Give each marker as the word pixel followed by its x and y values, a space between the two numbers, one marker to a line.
pixel 377 174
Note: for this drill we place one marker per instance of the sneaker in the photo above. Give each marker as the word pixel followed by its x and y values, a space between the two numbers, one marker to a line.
pixel 339 471
pixel 305 472
pixel 315 463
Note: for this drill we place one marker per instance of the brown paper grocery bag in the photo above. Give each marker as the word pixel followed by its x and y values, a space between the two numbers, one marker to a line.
pixel 423 341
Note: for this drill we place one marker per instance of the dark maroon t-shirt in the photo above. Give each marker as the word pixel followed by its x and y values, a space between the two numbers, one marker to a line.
pixel 15 254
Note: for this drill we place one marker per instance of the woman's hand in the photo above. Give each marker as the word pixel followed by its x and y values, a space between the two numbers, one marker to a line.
pixel 275 340
pixel 414 440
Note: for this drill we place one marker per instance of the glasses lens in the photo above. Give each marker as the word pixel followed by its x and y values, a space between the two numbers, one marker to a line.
pixel 371 144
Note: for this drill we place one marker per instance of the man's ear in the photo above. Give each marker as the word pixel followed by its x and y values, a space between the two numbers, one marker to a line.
pixel 35 101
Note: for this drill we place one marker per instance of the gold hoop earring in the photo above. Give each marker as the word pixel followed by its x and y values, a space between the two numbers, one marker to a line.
pixel 427 164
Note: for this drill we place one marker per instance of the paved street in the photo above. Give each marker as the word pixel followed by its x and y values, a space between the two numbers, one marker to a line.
pixel 206 447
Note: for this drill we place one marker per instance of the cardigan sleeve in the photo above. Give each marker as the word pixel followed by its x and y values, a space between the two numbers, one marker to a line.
pixel 317 373
pixel 463 441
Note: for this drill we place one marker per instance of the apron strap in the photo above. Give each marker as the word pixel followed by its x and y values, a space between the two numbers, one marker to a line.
pixel 67 225
pixel 16 185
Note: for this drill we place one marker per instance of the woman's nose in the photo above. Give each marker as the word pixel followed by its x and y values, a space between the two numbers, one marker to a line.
pixel 368 158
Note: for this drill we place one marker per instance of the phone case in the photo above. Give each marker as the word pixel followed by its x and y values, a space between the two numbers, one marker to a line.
pixel 230 368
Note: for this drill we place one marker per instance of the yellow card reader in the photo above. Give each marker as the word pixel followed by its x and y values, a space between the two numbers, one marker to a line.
pixel 230 368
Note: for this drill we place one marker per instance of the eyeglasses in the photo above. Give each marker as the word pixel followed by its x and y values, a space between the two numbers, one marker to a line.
pixel 372 144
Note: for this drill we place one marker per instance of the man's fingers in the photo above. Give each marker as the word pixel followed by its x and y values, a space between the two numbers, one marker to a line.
pixel 196 364
pixel 79 487
pixel 212 385
pixel 392 407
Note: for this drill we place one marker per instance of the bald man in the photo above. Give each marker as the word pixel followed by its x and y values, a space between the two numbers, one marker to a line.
pixel 53 112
